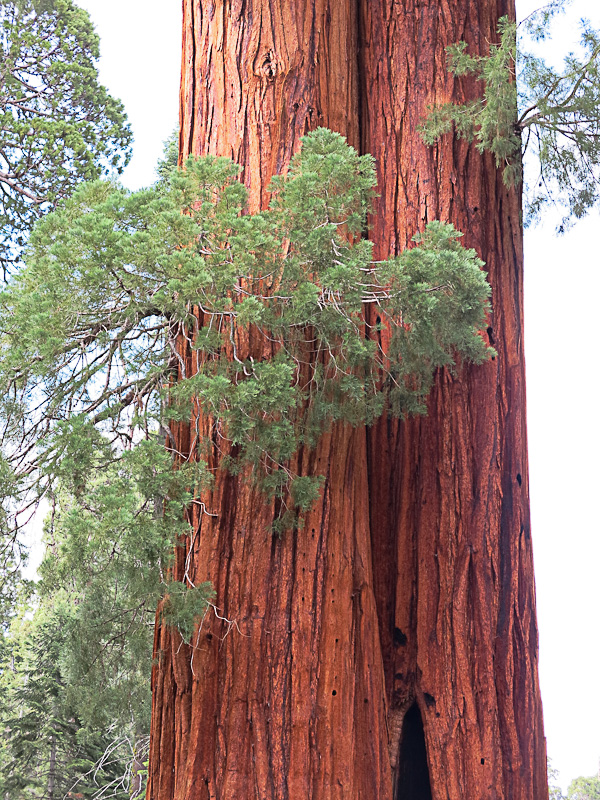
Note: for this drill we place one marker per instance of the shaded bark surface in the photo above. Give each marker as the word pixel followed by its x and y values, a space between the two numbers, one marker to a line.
pixel 412 579
pixel 449 492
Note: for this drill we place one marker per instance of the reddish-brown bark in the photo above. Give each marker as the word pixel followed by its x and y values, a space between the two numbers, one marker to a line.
pixel 449 492
pixel 289 702
pixel 412 579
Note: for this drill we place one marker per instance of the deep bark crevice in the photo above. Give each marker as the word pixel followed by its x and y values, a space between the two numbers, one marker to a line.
pixel 412 774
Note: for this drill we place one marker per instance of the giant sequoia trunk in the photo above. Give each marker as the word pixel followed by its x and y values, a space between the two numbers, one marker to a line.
pixel 389 648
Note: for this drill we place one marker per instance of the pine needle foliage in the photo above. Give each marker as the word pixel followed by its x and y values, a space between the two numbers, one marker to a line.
pixel 58 124
pixel 526 104
pixel 47 750
pixel 131 315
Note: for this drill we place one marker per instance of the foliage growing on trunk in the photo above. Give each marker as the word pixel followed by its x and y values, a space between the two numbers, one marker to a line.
pixel 527 104
pixel 90 360
pixel 58 125
pixel 94 379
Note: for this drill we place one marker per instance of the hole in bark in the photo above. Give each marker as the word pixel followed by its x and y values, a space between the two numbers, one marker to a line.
pixel 519 478
pixel 412 777
pixel 483 761
pixel 429 700
pixel 334 693
pixel 366 699
pixel 336 641
pixel 399 638
pixel 209 636
pixel 475 208
pixel 490 333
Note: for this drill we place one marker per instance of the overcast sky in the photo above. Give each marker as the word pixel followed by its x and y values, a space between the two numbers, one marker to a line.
pixel 140 44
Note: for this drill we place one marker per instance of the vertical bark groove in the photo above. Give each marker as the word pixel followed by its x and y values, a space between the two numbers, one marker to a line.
pixel 411 584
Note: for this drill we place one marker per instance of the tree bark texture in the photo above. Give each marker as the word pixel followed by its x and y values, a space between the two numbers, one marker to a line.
pixel 404 608
pixel 449 504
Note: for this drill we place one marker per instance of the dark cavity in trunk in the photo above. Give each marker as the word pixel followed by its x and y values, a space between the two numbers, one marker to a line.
pixel 412 782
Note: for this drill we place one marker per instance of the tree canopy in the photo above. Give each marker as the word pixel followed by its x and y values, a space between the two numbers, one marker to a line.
pixel 58 124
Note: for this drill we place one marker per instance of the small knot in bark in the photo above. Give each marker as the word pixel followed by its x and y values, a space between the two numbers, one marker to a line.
pixel 268 67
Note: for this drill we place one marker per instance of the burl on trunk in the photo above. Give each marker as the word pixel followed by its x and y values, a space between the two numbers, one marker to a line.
pixel 389 648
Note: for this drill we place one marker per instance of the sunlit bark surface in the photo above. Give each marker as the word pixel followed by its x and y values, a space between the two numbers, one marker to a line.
pixel 389 648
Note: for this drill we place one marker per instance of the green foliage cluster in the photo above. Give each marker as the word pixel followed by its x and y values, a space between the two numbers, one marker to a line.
pixel 584 789
pixel 170 157
pixel 579 789
pixel 109 544
pixel 529 105
pixel 58 125
pixel 131 315
pixel 492 119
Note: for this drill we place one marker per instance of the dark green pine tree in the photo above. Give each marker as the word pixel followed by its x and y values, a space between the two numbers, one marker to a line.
pixel 58 124
pixel 47 750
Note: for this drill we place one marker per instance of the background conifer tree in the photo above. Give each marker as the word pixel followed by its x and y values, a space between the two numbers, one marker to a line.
pixel 58 124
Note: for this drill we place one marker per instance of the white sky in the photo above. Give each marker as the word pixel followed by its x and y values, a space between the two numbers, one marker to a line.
pixel 140 42
pixel 562 285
